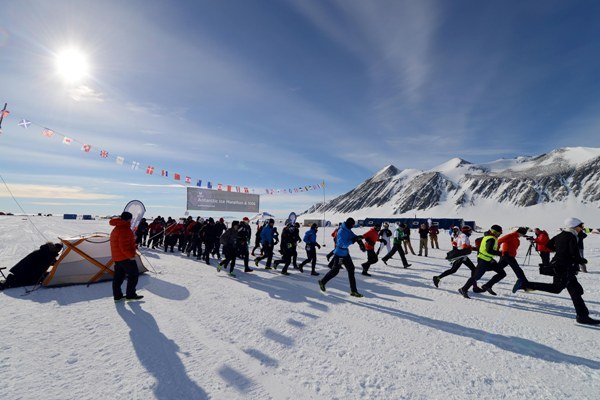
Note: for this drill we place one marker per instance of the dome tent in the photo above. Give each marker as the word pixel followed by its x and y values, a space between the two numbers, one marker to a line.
pixel 85 259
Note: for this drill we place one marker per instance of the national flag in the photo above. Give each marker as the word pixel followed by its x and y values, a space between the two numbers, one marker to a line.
pixel 246 190
pixel 4 113
pixel 199 183
pixel 48 132
pixel 67 140
pixel 219 186
pixel 188 179
pixel 164 172
pixel 135 165
pixel 120 160
pixel 295 190
pixel 306 188
pixel 104 154
pixel 177 177
pixel 238 189
pixel 267 190
pixel 86 148
pixel 290 190
pixel 209 184
pixel 24 123
pixel 229 188
pixel 149 170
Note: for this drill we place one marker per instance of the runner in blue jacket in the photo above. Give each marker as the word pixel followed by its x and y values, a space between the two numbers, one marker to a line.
pixel 341 256
pixel 310 238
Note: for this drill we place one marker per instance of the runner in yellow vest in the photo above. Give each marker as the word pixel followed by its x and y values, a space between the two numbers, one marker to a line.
pixel 488 249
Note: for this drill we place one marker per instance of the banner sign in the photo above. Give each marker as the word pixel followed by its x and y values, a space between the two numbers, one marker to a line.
pixel 219 200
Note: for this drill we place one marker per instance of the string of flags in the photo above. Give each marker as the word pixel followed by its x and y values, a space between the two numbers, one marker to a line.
pixel 154 171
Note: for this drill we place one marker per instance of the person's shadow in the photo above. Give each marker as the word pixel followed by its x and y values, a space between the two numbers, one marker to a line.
pixel 158 354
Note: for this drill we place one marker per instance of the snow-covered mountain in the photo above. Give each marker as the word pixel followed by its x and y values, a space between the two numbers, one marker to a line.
pixel 557 180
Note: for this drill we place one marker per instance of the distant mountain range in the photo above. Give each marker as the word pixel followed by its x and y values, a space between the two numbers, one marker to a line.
pixel 457 186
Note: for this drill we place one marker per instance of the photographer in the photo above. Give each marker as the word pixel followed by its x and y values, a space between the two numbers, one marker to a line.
pixel 564 270
pixel 541 239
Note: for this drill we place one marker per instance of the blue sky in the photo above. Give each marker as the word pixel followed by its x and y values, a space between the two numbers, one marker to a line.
pixel 285 93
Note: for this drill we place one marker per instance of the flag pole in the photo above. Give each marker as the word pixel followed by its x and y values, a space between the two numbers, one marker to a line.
pixel 2 115
pixel 323 223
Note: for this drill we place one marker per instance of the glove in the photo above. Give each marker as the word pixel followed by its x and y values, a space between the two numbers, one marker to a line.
pixel 318 245
pixel 383 241
pixel 583 261
pixel 362 246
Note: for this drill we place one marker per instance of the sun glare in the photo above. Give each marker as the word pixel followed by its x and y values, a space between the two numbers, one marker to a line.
pixel 72 65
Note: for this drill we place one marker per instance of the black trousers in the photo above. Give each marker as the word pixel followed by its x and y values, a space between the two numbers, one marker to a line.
pixel 267 253
pixel 371 259
pixel 559 283
pixel 288 256
pixel 338 261
pixel 483 267
pixel 129 269
pixel 208 246
pixel 506 261
pixel 229 253
pixel 397 248
pixel 311 254
pixel 456 265
pixel 243 254
pixel 545 255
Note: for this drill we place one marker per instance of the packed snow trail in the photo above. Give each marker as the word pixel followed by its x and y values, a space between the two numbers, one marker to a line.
pixel 199 334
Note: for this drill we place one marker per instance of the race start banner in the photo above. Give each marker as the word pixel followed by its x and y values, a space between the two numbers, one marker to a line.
pixel 220 200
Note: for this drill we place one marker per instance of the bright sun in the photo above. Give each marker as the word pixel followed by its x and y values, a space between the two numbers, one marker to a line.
pixel 72 65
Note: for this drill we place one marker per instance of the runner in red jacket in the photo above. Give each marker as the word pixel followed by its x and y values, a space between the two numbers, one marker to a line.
pixel 371 238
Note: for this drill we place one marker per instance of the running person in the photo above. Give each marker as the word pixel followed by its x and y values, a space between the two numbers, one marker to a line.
pixel 310 238
pixel 463 246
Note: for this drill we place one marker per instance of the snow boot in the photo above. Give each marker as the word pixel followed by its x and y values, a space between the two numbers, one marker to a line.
pixel 321 286
pixel 436 281
pixel 284 273
pixel 587 320
pixel 314 273
pixel 478 289
pixel 134 298
pixel 365 273
pixel 231 274
pixel 248 270
pixel 119 299
pixel 518 285
pixel 464 293
pixel 407 265
pixel 356 294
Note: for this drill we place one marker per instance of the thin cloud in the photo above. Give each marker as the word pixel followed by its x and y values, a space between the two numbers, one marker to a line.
pixel 21 190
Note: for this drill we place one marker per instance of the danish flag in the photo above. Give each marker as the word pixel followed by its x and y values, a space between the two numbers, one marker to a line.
pixel 104 154
pixel 86 148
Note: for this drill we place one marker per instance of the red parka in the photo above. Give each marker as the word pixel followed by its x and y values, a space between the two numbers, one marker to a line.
pixel 371 238
pixel 509 244
pixel 541 240
pixel 122 241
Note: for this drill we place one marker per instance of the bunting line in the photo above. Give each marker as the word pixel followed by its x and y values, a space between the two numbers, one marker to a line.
pixel 150 169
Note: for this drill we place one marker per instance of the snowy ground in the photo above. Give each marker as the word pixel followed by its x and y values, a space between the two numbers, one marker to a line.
pixel 200 334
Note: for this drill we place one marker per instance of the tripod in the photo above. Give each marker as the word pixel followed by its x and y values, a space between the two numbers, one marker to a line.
pixel 527 258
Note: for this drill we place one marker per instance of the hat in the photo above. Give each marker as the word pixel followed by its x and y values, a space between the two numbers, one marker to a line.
pixel 126 216
pixel 246 219
pixel 271 221
pixel 314 226
pixel 221 220
pixel 464 229
pixel 350 222
pixel 496 228
pixel 523 230
pixel 573 222
pixel 235 223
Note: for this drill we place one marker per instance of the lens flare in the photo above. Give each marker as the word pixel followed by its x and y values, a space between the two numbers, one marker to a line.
pixel 72 65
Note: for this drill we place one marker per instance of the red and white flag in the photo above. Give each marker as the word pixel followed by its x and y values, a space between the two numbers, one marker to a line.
pixel 188 179
pixel 67 140
pixel 86 148
pixel 48 132
pixel 229 188
pixel 246 190
pixel 164 172
pixel 219 186
pixel 150 170
pixel 238 189
pixel 104 154
pixel 177 177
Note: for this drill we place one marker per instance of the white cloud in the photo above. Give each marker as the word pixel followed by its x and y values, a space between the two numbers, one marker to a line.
pixel 86 93
pixel 20 190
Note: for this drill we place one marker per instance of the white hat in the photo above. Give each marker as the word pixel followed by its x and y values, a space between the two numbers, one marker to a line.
pixel 572 222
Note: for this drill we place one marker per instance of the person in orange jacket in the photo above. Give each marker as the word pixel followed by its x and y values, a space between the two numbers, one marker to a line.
pixel 509 244
pixel 123 251
pixel 541 240
pixel 371 238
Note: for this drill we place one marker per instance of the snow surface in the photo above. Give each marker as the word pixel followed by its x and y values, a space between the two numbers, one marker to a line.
pixel 200 334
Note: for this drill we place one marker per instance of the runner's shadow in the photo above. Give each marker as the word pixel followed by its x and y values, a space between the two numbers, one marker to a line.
pixel 167 290
pixel 517 345
pixel 158 354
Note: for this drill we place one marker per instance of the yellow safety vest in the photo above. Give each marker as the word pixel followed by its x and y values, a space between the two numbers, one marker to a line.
pixel 483 254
